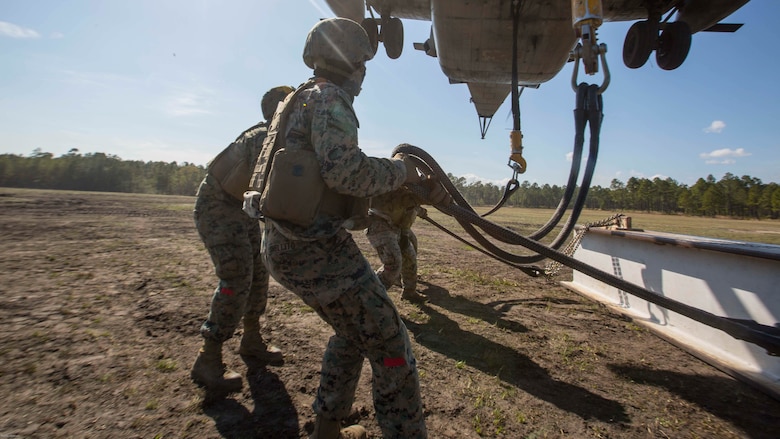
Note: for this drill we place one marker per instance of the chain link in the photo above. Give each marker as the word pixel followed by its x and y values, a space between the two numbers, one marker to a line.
pixel 554 267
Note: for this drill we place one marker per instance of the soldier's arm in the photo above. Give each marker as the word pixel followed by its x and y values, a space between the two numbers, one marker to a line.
pixel 343 165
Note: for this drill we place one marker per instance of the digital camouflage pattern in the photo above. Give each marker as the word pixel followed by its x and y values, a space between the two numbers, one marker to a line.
pixel 232 168
pixel 366 325
pixel 232 239
pixel 389 231
pixel 323 119
pixel 324 267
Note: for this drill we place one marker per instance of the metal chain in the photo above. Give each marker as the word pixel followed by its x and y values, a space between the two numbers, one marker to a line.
pixel 554 267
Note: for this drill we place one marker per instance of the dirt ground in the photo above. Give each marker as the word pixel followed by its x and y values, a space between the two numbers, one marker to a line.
pixel 103 295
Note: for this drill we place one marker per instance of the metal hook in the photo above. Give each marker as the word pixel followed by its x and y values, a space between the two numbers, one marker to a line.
pixel 576 55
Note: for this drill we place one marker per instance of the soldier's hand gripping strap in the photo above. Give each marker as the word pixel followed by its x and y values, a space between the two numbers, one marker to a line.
pixel 252 204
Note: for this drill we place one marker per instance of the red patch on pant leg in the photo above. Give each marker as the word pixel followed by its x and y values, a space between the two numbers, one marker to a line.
pixel 226 291
pixel 394 362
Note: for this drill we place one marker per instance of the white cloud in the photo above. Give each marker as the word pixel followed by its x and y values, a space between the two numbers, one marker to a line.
pixel 473 178
pixel 56 35
pixel 716 126
pixel 642 176
pixel 725 152
pixel 720 162
pixel 94 79
pixel 569 156
pixel 187 104
pixel 11 30
pixel 723 156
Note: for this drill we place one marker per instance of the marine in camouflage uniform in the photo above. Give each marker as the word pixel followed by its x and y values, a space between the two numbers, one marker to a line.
pixel 322 264
pixel 390 233
pixel 233 240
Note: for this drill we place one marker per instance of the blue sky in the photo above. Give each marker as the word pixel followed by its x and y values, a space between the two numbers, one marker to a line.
pixel 177 80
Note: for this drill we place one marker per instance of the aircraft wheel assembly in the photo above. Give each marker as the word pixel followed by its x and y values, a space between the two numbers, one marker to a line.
pixel 673 45
pixel 639 43
pixel 393 36
pixel 372 29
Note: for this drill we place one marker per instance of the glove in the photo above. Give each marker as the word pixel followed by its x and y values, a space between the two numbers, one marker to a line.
pixel 437 195
pixel 412 176
pixel 252 204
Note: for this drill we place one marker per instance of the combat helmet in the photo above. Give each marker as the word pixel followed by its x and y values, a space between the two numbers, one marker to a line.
pixel 338 44
pixel 271 100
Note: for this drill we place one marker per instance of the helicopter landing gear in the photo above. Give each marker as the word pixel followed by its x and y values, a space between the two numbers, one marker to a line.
pixel 392 36
pixel 389 30
pixel 372 29
pixel 671 45
pixel 639 43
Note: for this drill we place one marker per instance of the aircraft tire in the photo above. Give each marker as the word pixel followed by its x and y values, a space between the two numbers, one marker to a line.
pixel 393 37
pixel 372 29
pixel 673 45
pixel 638 44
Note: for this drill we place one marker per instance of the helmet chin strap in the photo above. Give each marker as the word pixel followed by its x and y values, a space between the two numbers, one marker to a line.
pixel 354 82
pixel 350 82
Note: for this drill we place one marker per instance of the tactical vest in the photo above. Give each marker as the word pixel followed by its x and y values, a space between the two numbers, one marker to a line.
pixel 289 180
pixel 399 207
pixel 232 168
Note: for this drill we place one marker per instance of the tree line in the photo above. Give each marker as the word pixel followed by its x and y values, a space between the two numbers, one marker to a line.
pixel 98 172
pixel 739 197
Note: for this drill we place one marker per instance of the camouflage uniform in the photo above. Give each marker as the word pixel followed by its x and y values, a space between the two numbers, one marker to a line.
pixel 389 231
pixel 322 264
pixel 233 241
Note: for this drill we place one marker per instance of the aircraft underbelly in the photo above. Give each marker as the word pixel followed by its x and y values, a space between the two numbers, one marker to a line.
pixel 474 40
pixel 411 9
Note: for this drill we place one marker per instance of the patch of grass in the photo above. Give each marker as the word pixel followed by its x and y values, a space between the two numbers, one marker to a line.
pixel 417 316
pixel 508 392
pixel 476 422
pixel 30 367
pixel 290 308
pixel 129 392
pixel 152 404
pixel 40 336
pixel 94 333
pixel 479 279
pixel 166 365
pixel 481 400
pixel 525 221
pixel 460 364
pixel 84 275
pixel 573 354
pixel 499 420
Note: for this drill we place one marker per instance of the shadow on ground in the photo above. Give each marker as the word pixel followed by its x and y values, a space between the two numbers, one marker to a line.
pixel 274 414
pixel 445 336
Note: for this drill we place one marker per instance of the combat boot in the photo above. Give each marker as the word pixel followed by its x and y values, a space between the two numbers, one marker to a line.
pixel 412 295
pixel 353 432
pixel 209 371
pixel 253 347
pixel 329 429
